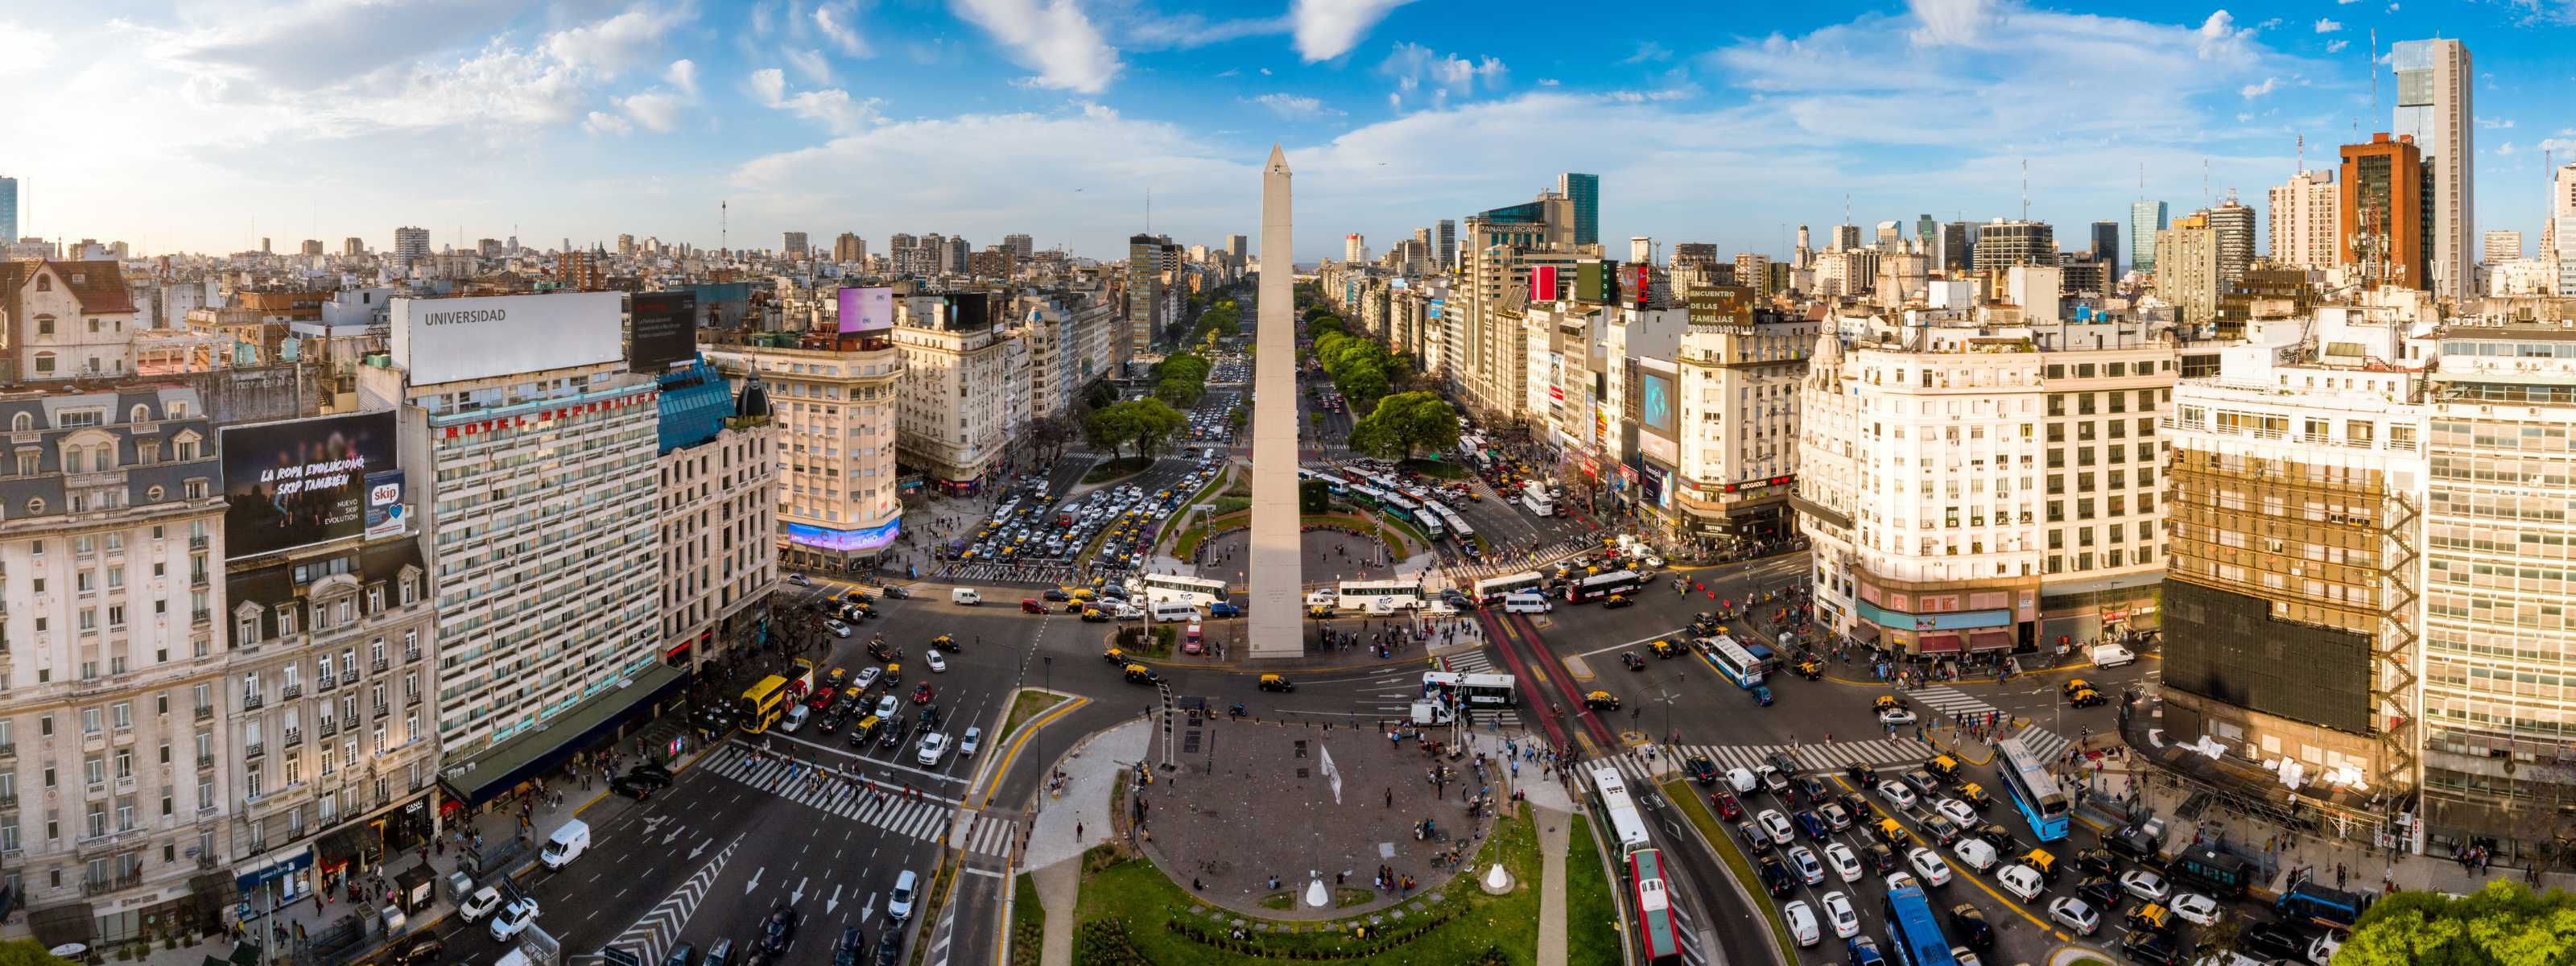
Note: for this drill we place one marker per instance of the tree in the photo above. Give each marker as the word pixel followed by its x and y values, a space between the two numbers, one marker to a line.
pixel 1314 497
pixel 28 952
pixel 1112 427
pixel 1156 423
pixel 2504 924
pixel 1048 436
pixel 1404 424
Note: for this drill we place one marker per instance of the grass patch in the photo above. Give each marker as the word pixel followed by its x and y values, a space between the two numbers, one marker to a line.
pixel 1130 913
pixel 1346 898
pixel 1592 925
pixel 1028 923
pixel 1282 901
pixel 1436 469
pixel 1117 469
pixel 1028 704
pixel 1147 642
pixel 1232 504
pixel 1697 811
pixel 2090 961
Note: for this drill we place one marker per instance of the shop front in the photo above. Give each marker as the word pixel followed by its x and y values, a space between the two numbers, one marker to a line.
pixel 1972 625
pixel 357 850
pixel 2104 609
pixel 265 885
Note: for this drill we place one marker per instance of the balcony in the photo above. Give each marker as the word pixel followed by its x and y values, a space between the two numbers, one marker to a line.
pixel 330 726
pixel 252 701
pixel 97 887
pixel 290 692
pixel 350 722
pixel 381 711
pixel 381 664
pixel 408 656
pixel 412 698
pixel 197 580
pixel 294 737
pixel 325 683
pixel 251 752
pixel 201 617
pixel 9 751
pixel 197 543
pixel 205 762
pixel 205 712
pixel 8 801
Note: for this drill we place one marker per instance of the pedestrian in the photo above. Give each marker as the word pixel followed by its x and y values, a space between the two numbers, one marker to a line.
pixel 1077 831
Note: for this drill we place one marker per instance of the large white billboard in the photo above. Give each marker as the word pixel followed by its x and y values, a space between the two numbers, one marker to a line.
pixel 450 340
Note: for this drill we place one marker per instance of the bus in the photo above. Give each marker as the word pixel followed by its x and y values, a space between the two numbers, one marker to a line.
pixel 1599 586
pixel 1196 592
pixel 1403 508
pixel 2312 900
pixel 1492 590
pixel 1367 496
pixel 1764 657
pixel 762 703
pixel 1534 496
pixel 1332 483
pixel 1659 939
pixel 1471 690
pixel 2211 871
pixel 1732 660
pixel 1458 529
pixel 1913 935
pixel 1619 811
pixel 1395 594
pixel 2032 789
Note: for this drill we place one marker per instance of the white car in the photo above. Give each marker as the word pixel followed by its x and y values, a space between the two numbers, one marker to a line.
pixel 1929 864
pixel 866 678
pixel 2196 909
pixel 799 580
pixel 937 663
pixel 934 746
pixel 2022 881
pixel 1897 716
pixel 2144 885
pixel 1846 863
pixel 480 904
pixel 1839 912
pixel 1896 794
pixel 2322 949
pixel 1810 870
pixel 1742 781
pixel 970 742
pixel 837 628
pixel 888 705
pixel 1777 825
pixel 1902 880
pixel 2074 914
pixel 1959 812
pixel 1802 922
pixel 516 917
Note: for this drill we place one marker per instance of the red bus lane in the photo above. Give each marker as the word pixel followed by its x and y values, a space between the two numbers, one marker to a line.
pixel 1606 739
pixel 1533 694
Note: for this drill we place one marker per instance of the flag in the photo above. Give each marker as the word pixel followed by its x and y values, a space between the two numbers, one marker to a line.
pixel 1333 775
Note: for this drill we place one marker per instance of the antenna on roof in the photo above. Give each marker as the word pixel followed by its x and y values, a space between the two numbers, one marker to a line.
pixel 2025 189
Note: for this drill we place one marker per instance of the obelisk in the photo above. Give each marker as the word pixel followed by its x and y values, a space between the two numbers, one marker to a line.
pixel 1276 619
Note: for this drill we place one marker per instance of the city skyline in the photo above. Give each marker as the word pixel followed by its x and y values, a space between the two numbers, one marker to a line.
pixel 808 117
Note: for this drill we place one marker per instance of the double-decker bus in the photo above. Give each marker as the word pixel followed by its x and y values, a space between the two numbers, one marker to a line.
pixel 1599 586
pixel 1492 590
pixel 1732 660
pixel 1196 592
pixel 1471 690
pixel 1913 936
pixel 2032 789
pixel 1650 901
pixel 1363 595
pixel 762 703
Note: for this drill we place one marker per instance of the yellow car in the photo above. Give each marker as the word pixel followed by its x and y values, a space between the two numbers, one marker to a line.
pixel 1601 700
pixel 1886 702
pixel 1665 648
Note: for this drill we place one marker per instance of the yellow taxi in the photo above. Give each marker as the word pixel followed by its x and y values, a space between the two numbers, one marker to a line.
pixel 1601 700
pixel 1665 648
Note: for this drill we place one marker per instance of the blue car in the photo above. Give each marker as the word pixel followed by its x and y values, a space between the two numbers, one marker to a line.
pixel 1761 694
pixel 1224 608
pixel 1812 824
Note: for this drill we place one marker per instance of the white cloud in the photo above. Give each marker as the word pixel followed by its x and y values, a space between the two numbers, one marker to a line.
pixel 612 46
pixel 1295 106
pixel 2219 38
pixel 657 110
pixel 1330 28
pixel 1142 29
pixel 683 74
pixel 1416 68
pixel 2269 24
pixel 1648 50
pixel 838 22
pixel 2337 46
pixel 604 123
pixel 811 63
pixel 768 85
pixel 833 108
pixel 2562 146
pixel 2506 150
pixel 1230 72
pixel 1052 37
pixel 1547 82
pixel 23 49
pixel 2340 3
pixel 2495 123
pixel 1954 22
pixel 2326 25
pixel 2252 91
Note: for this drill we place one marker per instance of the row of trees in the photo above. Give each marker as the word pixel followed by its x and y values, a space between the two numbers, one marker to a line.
pixel 1361 368
pixel 1397 426
pixel 1405 424
pixel 2504 924
pixel 1181 380
pixel 1147 425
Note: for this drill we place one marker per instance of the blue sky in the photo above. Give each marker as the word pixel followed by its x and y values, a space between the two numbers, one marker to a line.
pixel 206 124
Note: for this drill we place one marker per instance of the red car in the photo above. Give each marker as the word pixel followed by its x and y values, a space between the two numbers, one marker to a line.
pixel 822 699
pixel 921 695
pixel 1727 807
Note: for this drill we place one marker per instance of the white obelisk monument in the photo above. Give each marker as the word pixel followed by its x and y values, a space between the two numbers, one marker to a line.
pixel 1276 621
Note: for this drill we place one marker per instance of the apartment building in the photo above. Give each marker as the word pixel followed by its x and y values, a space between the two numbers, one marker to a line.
pixel 835 403
pixel 954 422
pixel 114 761
pixel 65 320
pixel 1734 436
pixel 718 511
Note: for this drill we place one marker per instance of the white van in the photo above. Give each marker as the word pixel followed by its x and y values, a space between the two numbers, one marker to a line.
pixel 1976 854
pixel 795 720
pixel 2112 655
pixel 1327 597
pixel 1175 613
pixel 1526 603
pixel 966 596
pixel 567 844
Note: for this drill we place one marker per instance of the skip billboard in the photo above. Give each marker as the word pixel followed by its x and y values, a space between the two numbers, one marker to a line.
pixel 304 481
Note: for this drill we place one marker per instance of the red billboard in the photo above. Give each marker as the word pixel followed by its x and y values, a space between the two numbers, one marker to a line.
pixel 1542 281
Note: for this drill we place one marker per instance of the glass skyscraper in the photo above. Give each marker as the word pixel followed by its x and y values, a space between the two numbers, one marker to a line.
pixel 2146 218
pixel 1585 191
pixel 8 210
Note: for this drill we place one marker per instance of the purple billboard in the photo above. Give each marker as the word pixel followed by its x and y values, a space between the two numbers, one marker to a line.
pixel 867 309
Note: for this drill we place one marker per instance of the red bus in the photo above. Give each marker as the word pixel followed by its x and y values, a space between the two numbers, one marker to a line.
pixel 1659 939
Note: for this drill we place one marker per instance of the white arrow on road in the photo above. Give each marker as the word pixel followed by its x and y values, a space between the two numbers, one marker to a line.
pixel 675 834
pixel 702 847
pixel 799 895
pixel 755 881
pixel 868 908
pixel 834 902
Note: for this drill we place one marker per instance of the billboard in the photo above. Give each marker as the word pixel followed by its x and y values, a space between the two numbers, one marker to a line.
pixel 451 340
pixel 1658 402
pixel 1721 305
pixel 867 309
pixel 1542 283
pixel 302 481
pixel 664 332
pixel 844 540
pixel 386 515
pixel 2227 646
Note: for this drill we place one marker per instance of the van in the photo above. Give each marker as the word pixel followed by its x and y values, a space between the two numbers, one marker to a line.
pixel 965 596
pixel 1975 854
pixel 1526 603
pixel 1175 613
pixel 2112 655
pixel 795 720
pixel 567 844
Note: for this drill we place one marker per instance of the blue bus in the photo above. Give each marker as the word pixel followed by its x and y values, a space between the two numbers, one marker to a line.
pixel 1733 661
pixel 1913 935
pixel 2311 900
pixel 1763 654
pixel 2032 789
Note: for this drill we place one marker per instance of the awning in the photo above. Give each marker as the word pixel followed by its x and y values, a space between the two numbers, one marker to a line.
pixel 677 650
pixel 1865 632
pixel 1990 640
pixel 1936 642
pixel 60 925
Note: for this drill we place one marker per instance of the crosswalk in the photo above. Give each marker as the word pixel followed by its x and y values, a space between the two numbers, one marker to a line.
pixel 926 817
pixel 1876 753
pixel 1946 701
pixel 1039 574
pixel 987 834
pixel 1469 571
pixel 1477 661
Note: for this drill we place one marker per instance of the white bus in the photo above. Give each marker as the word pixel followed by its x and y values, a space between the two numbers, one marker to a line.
pixel 1534 496
pixel 1599 586
pixel 1379 595
pixel 1731 659
pixel 1471 690
pixel 1196 592
pixel 1401 507
pixel 1492 589
pixel 1610 794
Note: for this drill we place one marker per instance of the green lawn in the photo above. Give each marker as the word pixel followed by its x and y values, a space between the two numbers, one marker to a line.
pixel 1028 923
pixel 1029 703
pixel 1592 933
pixel 1691 805
pixel 1131 914
pixel 1119 468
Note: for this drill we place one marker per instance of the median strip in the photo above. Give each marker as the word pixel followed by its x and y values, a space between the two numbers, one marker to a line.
pixel 1687 800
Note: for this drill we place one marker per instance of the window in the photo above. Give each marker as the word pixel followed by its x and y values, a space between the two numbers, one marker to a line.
pixel 286 620
pixel 121 714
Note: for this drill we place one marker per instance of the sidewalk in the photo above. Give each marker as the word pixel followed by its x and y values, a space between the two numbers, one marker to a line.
pixel 1553 835
pixel 1054 852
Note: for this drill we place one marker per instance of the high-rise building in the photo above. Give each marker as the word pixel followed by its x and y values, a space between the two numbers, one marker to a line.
pixel 2187 268
pixel 1890 237
pixel 1641 250
pixel 837 503
pixel 1484 350
pixel 721 459
pixel 2106 247
pixel 795 244
pixel 959 388
pixel 625 245
pixel 411 244
pixel 1021 246
pixel 311 248
pixel 1237 247
pixel 956 256
pixel 1354 249
pixel 353 246
pixel 1585 191
pixel 8 209
pixel 1927 235
pixel 1846 238
pixel 2305 218
pixel 2558 240
pixel 1145 291
pixel 849 249
pixel 2002 244
pixel 581 271
pixel 1447 241
pixel 488 247
pixel 2386 220
pixel 2146 218
pixel 1958 249
pixel 2502 245
pixel 2234 224
pixel 2435 106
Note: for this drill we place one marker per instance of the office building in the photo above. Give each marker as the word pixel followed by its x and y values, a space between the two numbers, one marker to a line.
pixel 1446 238
pixel 2436 108
pixel 1641 250
pixel 1725 474
pixel 1889 238
pixel 1927 235
pixel 2106 248
pixel 958 393
pixel 1584 190
pixel 2501 245
pixel 849 249
pixel 353 246
pixel 833 402
pixel 718 511
pixel 1958 249
pixel 1021 247
pixel 2234 225
pixel 1485 351
pixel 1144 291
pixel 1846 238
pixel 2002 244
pixel 1355 249
pixel 795 244
pixel 2305 217
pixel 2386 218
pixel 2188 268
pixel 2146 218
pixel 1238 249
pixel 547 585
pixel 8 209
pixel 310 248
pixel 2558 237
pixel 411 247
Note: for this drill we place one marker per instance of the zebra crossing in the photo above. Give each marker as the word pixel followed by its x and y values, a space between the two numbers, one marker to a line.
pixel 1873 754
pixel 1034 574
pixel 1478 661
pixel 1470 571
pixel 925 817
pixel 1946 701
pixel 987 834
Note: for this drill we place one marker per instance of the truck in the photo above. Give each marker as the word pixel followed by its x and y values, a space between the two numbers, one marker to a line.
pixel 1432 713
